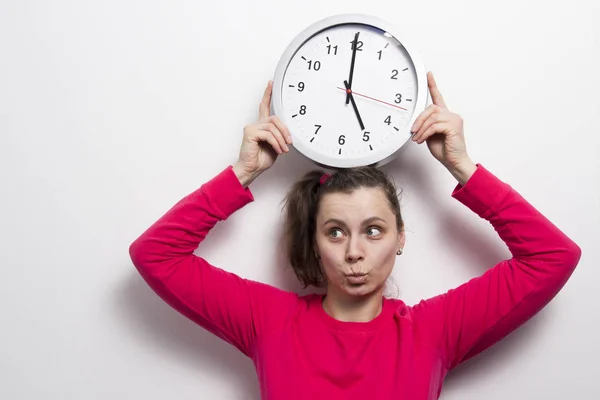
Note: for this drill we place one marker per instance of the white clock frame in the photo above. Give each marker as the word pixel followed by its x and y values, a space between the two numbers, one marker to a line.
pixel 398 142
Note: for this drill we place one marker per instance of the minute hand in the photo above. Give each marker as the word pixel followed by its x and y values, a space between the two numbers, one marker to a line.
pixel 354 45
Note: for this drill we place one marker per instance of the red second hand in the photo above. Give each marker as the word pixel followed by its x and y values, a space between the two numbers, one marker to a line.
pixel 381 101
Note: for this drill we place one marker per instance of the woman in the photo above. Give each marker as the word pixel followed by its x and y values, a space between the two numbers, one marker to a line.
pixel 344 232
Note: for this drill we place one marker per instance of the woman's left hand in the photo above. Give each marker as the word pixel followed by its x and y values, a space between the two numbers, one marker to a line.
pixel 442 130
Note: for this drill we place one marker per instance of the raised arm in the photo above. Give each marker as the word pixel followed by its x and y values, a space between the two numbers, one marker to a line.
pixel 235 309
pixel 467 320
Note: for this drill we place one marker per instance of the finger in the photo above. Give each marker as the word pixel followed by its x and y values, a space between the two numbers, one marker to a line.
pixel 438 127
pixel 433 118
pixel 436 96
pixel 282 128
pixel 264 110
pixel 268 126
pixel 422 118
pixel 267 136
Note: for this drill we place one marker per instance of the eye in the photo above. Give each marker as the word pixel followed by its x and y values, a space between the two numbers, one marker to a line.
pixel 375 230
pixel 331 233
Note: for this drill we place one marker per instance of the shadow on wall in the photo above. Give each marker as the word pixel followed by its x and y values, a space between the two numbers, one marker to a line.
pixel 499 357
pixel 150 320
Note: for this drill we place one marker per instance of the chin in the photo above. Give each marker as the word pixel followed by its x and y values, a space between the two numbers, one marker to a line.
pixel 359 290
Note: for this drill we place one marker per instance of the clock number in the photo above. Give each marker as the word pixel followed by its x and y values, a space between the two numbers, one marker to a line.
pixel 380 52
pixel 318 127
pixel 388 120
pixel 359 45
pixel 334 49
pixel 366 136
pixel 316 65
pixel 301 86
pixel 394 74
pixel 302 110
pixel 342 139
pixel 398 98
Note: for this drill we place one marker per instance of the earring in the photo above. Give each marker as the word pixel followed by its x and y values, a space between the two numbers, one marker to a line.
pixel 399 251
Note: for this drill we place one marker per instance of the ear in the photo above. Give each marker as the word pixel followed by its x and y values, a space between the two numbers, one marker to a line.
pixel 401 239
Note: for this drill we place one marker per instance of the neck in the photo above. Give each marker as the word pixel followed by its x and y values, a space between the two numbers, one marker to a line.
pixel 351 308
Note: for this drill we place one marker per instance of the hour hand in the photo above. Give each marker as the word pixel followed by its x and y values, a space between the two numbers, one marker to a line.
pixel 349 93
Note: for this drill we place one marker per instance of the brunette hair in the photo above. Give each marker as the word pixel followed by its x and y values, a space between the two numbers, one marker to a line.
pixel 302 205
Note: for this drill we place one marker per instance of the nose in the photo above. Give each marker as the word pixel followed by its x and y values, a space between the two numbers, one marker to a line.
pixel 354 251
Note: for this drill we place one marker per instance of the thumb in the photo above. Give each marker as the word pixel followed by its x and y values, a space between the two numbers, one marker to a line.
pixel 264 110
pixel 436 96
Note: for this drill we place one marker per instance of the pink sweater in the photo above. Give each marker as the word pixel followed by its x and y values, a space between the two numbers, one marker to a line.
pixel 300 352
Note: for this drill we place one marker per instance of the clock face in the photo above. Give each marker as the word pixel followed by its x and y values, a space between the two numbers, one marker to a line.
pixel 349 94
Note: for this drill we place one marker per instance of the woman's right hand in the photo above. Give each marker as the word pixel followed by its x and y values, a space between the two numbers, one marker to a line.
pixel 262 143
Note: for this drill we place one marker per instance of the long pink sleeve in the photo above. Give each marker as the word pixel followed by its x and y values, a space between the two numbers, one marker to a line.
pixel 234 309
pixel 467 320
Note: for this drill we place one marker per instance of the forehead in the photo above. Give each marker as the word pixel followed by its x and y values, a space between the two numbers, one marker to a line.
pixel 359 204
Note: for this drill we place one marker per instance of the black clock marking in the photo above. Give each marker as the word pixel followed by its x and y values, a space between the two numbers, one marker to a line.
pixel 370 147
pixel 386 45
pixel 316 65
pixel 303 58
pixel 396 129
pixel 408 99
pixel 340 152
pixel 312 139
pixel 356 44
pixel 404 69
pixel 294 116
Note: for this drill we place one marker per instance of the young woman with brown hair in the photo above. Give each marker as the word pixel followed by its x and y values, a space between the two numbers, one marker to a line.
pixel 344 231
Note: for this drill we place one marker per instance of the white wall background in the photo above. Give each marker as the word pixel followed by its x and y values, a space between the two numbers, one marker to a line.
pixel 112 111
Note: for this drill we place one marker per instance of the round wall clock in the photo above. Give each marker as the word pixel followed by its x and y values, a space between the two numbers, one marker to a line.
pixel 349 88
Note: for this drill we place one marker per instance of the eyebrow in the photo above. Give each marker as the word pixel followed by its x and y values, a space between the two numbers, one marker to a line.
pixel 365 222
